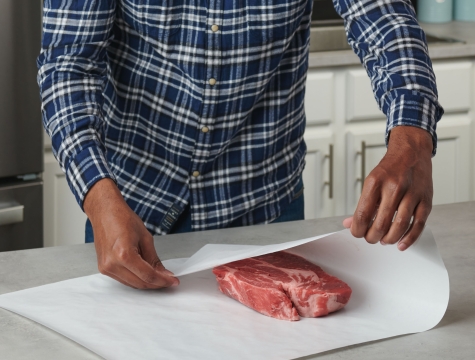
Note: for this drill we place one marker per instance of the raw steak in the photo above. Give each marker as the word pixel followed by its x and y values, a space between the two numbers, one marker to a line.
pixel 283 286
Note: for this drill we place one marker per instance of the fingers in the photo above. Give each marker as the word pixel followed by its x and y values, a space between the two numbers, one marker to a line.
pixel 347 222
pixel 392 194
pixel 119 279
pixel 132 261
pixel 136 277
pixel 401 222
pixel 382 221
pixel 420 217
pixel 366 208
pixel 149 254
pixel 128 278
pixel 137 267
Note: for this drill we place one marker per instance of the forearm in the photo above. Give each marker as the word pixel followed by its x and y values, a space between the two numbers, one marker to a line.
pixel 72 70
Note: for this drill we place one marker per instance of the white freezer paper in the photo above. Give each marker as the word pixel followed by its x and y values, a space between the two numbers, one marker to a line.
pixel 394 293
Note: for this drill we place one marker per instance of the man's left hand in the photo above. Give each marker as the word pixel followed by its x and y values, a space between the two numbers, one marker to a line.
pixel 402 183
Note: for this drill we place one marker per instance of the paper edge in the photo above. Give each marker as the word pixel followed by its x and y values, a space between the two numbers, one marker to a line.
pixel 262 250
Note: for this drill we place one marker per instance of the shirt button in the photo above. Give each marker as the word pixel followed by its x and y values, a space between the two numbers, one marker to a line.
pixel 205 129
pixel 212 81
pixel 214 28
pixel 196 173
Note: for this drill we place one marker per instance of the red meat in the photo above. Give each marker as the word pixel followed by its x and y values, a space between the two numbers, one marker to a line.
pixel 283 286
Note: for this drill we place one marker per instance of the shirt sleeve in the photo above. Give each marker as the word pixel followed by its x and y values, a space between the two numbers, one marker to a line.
pixel 393 49
pixel 72 71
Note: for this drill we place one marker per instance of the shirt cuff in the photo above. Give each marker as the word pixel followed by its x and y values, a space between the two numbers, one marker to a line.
pixel 415 110
pixel 88 167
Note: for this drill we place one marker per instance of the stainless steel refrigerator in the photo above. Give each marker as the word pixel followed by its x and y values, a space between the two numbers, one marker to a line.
pixel 21 136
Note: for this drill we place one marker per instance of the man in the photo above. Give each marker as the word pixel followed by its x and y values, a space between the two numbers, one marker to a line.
pixel 182 115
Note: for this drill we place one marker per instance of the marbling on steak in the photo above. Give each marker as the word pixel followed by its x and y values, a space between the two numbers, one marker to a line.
pixel 283 286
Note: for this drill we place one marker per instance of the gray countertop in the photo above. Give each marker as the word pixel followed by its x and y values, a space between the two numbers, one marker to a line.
pixel 452 225
pixel 464 31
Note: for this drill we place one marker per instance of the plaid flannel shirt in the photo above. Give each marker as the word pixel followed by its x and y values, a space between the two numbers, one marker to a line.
pixel 202 102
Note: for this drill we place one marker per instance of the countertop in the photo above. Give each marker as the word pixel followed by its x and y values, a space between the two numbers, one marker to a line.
pixel 452 225
pixel 464 31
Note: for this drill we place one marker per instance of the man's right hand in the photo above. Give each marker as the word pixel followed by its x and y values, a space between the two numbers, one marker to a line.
pixel 124 247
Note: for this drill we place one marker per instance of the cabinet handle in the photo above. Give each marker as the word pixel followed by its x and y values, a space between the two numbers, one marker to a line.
pixel 362 153
pixel 11 215
pixel 330 176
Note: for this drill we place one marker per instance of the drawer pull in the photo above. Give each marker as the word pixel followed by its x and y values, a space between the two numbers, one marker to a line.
pixel 11 215
pixel 330 175
pixel 362 153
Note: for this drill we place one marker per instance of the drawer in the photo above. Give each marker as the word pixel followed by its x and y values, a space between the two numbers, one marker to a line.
pixel 453 84
pixel 21 216
pixel 360 103
pixel 319 97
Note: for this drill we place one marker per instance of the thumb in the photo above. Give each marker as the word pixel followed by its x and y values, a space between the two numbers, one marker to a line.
pixel 348 222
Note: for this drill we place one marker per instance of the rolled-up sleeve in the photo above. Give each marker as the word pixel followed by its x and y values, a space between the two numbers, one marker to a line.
pixel 72 71
pixel 393 49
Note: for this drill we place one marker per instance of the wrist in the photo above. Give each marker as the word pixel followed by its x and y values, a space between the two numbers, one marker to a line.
pixel 410 138
pixel 102 196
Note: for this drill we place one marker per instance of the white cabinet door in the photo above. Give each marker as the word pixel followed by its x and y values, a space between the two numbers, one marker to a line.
pixel 451 165
pixel 454 85
pixel 317 176
pixel 361 104
pixel 64 221
pixel 319 97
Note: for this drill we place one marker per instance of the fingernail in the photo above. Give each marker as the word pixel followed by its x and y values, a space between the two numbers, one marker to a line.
pixel 383 243
pixel 176 282
pixel 402 246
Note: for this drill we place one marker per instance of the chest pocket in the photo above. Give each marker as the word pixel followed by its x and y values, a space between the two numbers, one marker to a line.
pixel 154 18
pixel 270 20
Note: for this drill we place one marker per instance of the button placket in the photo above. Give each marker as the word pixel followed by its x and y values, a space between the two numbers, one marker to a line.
pixel 211 88
pixel 210 98
pixel 213 62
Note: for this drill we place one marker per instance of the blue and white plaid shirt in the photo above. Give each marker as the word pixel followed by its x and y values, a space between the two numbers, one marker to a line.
pixel 202 102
